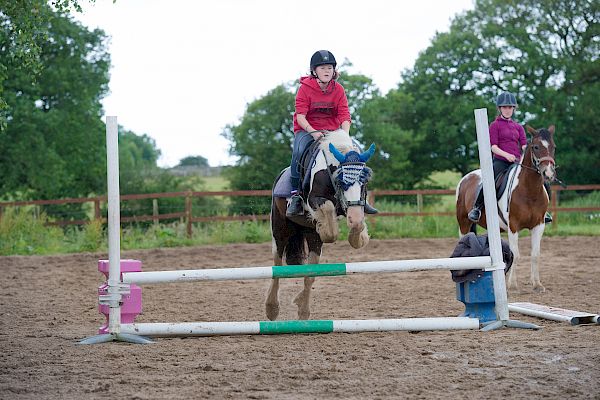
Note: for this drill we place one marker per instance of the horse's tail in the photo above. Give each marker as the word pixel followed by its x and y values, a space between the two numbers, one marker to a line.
pixel 295 252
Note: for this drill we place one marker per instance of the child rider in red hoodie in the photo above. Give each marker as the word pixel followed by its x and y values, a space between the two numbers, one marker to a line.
pixel 321 106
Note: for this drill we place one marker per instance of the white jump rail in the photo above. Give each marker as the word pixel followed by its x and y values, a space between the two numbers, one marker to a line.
pixel 296 271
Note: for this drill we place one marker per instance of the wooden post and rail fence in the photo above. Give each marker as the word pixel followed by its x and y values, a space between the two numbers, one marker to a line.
pixel 187 216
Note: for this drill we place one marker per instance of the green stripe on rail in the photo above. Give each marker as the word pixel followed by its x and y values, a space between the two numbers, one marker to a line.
pixel 296 271
pixel 309 326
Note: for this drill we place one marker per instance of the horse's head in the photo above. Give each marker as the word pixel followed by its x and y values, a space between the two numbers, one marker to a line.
pixel 542 151
pixel 350 179
pixel 338 186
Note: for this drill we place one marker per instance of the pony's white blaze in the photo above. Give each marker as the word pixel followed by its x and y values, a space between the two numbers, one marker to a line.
pixel 355 215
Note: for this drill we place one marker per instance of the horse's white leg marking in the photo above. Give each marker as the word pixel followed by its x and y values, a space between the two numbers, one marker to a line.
pixel 513 242
pixel 272 302
pixel 536 240
pixel 302 300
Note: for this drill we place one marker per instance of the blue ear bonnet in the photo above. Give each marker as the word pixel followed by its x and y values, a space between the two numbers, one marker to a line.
pixel 352 167
pixel 352 156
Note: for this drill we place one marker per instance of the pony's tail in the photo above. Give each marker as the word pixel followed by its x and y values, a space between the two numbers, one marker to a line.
pixel 295 252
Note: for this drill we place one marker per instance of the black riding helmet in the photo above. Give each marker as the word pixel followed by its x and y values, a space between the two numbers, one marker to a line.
pixel 322 57
pixel 506 99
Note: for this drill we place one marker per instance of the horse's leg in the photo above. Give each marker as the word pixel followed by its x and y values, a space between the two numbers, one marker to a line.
pixel 272 302
pixel 281 234
pixel 302 300
pixel 464 201
pixel 513 241
pixel 536 240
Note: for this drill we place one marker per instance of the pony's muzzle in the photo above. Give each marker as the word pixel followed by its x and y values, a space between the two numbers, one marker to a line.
pixel 549 173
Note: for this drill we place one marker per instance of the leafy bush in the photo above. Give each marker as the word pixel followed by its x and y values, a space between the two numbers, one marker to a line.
pixel 23 233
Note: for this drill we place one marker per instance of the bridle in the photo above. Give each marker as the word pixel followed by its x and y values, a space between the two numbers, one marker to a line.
pixel 362 175
pixel 537 161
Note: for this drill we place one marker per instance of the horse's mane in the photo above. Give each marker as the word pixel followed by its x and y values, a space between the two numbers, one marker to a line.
pixel 340 139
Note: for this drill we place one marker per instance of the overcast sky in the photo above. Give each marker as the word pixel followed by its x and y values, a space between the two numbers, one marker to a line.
pixel 182 70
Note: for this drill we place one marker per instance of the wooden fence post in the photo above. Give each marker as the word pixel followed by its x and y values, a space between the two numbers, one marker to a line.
pixel 419 202
pixel 97 214
pixel 155 212
pixel 188 214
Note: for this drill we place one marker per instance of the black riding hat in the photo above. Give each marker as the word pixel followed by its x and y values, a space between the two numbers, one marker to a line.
pixel 322 57
pixel 506 99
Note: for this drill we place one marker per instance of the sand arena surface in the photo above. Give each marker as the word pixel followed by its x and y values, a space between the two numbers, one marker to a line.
pixel 48 303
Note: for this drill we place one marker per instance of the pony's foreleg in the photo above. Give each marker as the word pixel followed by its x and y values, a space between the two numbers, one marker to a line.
pixel 536 240
pixel 272 302
pixel 302 300
pixel 513 241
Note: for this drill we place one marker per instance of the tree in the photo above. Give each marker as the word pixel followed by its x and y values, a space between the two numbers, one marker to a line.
pixel 193 161
pixel 544 51
pixel 53 145
pixel 137 163
pixel 399 161
pixel 263 142
pixel 23 27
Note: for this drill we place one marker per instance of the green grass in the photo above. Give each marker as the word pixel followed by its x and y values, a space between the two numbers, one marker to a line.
pixel 446 179
pixel 215 183
pixel 22 232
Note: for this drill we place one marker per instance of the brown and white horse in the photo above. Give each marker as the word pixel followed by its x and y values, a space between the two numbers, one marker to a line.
pixel 337 187
pixel 522 205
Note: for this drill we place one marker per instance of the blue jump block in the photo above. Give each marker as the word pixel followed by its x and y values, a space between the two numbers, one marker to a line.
pixel 478 297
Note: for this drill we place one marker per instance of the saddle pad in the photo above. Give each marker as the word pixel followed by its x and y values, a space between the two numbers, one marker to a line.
pixel 283 187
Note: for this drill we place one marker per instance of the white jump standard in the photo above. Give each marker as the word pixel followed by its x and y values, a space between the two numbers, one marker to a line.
pixel 118 293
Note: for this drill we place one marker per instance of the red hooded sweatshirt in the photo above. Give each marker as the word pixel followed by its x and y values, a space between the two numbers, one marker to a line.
pixel 323 110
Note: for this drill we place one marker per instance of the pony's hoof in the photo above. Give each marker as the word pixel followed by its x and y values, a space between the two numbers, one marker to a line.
pixel 539 288
pixel 303 309
pixel 358 240
pixel 303 314
pixel 272 311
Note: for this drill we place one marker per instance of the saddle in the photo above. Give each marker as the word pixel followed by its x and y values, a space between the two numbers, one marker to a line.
pixel 501 181
pixel 283 187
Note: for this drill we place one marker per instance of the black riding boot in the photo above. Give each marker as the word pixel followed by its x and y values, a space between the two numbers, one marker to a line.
pixel 475 213
pixel 369 209
pixel 547 216
pixel 295 206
